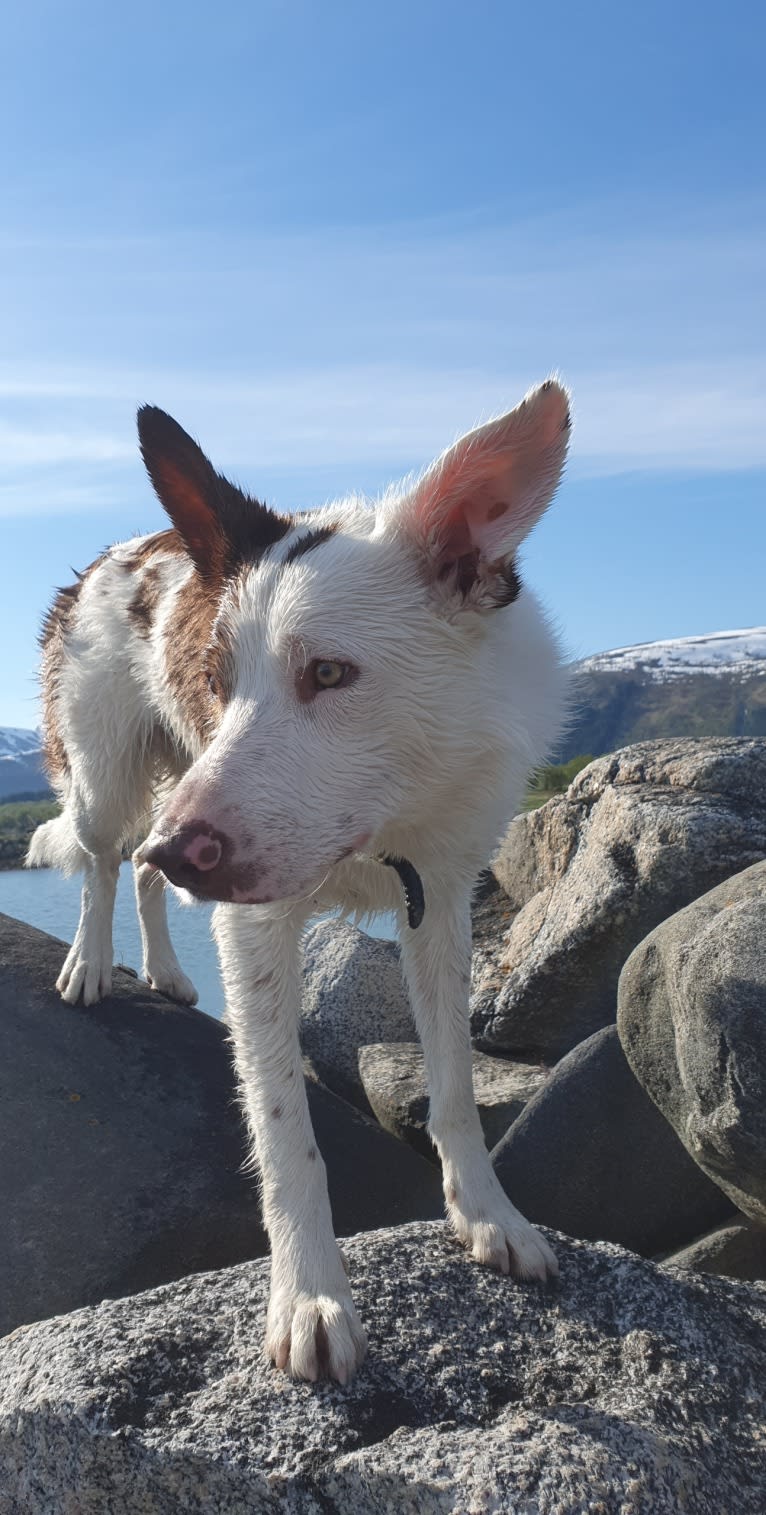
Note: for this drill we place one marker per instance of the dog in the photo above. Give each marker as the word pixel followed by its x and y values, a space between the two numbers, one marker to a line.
pixel 338 708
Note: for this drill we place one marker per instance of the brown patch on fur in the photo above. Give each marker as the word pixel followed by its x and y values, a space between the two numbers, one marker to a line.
pixel 160 541
pixel 53 636
pixel 198 661
pixel 143 606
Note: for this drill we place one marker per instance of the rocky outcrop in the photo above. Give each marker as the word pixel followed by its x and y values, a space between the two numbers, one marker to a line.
pixel 692 1019
pixel 353 994
pixel 636 837
pixel 629 1389
pixel 393 1074
pixel 737 1250
pixel 122 1144
pixel 591 1155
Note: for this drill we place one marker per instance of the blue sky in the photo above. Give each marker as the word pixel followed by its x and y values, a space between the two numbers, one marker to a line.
pixel 329 237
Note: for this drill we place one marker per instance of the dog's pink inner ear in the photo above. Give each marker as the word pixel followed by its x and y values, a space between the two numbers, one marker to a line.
pixel 487 492
pixel 189 511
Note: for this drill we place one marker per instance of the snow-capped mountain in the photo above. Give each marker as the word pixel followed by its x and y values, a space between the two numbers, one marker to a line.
pixel 21 770
pixel 742 652
pixel 711 685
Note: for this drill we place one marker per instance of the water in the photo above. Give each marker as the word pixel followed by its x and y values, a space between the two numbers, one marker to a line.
pixel 45 899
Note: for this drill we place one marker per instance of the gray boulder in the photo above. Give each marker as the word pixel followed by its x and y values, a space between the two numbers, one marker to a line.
pixel 591 1155
pixel 394 1079
pixel 122 1144
pixel 637 836
pixel 353 994
pixel 737 1250
pixel 692 1019
pixel 629 1389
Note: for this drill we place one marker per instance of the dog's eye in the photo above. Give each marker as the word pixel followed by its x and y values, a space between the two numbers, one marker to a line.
pixel 212 684
pixel 330 675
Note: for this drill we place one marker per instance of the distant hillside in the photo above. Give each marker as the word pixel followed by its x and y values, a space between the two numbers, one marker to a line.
pixel 21 770
pixel 711 685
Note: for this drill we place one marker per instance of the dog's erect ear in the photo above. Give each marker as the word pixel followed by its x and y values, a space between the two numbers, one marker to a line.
pixel 475 505
pixel 219 525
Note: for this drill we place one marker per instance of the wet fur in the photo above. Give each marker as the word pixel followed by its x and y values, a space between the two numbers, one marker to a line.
pixel 175 695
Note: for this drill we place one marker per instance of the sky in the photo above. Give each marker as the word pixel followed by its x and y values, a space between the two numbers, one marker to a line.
pixel 330 237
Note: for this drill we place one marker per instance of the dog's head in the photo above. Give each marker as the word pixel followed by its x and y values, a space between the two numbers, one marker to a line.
pixel 342 682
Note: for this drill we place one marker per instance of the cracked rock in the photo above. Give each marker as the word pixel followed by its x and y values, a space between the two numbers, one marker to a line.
pixel 636 837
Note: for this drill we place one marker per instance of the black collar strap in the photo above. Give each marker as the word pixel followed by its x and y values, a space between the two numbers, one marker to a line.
pixel 414 897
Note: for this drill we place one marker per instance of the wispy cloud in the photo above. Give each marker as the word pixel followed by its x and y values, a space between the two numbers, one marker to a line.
pixel 367 351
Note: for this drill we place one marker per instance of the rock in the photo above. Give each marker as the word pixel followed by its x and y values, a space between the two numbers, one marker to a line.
pixel 637 836
pixel 591 1155
pixel 394 1079
pixel 737 1250
pixel 692 1018
pixel 122 1146
pixel 353 994
pixel 631 1389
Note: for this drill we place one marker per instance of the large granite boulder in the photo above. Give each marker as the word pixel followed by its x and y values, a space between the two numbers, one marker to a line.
pixel 591 1155
pixel 122 1144
pixel 353 994
pixel 629 1389
pixel 636 837
pixel 394 1078
pixel 692 1019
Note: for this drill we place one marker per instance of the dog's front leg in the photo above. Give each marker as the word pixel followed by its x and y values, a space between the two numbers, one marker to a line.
pixel 437 964
pixel 312 1328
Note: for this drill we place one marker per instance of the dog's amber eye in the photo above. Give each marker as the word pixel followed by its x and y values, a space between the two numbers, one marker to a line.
pixel 329 675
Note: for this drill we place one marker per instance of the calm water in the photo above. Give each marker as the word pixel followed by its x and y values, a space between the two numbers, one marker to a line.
pixel 52 903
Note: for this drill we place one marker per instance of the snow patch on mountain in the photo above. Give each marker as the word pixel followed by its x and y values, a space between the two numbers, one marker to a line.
pixel 18 743
pixel 741 653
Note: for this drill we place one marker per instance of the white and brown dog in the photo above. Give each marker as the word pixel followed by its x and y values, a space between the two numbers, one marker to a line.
pixel 305 713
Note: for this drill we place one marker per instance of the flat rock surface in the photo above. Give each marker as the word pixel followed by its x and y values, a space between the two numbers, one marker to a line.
pixel 630 1388
pixel 692 1020
pixel 637 836
pixel 591 1155
pixel 123 1147
pixel 394 1078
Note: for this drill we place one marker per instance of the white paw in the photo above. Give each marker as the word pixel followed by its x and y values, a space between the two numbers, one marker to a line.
pixel 170 979
pixel 315 1336
pixel 499 1237
pixel 88 977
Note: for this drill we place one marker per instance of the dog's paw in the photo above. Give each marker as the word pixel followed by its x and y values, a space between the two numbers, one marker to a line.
pixel 501 1238
pixel 312 1337
pixel 86 976
pixel 170 979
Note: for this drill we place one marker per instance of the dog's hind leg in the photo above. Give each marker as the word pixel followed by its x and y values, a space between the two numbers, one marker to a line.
pixel 108 793
pixel 161 967
pixel 437 963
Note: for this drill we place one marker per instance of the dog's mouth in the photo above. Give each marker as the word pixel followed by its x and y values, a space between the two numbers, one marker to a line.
pixel 208 879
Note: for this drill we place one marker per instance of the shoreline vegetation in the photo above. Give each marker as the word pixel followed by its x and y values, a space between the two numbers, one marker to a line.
pixel 20 817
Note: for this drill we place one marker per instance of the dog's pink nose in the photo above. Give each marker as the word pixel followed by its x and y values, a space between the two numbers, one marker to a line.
pixel 196 857
pixel 203 852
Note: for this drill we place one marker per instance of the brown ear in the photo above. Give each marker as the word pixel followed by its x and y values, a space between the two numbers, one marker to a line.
pixel 219 525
